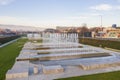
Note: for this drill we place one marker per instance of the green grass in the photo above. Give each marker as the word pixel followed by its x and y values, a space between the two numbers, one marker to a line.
pixel 8 55
pixel 102 76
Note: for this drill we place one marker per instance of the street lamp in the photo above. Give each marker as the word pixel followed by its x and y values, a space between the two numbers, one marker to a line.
pixel 101 21
pixel 101 24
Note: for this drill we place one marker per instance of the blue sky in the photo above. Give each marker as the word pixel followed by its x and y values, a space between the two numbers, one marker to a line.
pixel 51 13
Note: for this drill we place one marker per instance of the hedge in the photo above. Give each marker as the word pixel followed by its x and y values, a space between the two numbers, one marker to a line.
pixel 102 43
pixel 7 39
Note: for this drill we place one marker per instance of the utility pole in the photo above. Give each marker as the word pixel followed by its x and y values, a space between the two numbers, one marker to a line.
pixel 101 21
pixel 101 24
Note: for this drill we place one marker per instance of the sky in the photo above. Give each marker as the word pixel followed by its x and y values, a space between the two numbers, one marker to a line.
pixel 51 13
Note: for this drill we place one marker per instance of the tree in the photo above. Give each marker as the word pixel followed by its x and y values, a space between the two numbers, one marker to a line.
pixel 83 30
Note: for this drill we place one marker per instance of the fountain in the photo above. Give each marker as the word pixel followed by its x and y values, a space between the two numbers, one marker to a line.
pixel 60 54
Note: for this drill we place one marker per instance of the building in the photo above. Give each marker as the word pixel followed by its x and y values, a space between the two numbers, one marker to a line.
pixel 111 33
pixel 50 30
pixel 66 29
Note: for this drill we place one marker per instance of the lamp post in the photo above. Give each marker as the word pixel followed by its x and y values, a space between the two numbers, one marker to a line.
pixel 101 24
pixel 101 21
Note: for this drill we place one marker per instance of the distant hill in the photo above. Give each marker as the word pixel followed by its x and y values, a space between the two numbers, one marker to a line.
pixel 21 28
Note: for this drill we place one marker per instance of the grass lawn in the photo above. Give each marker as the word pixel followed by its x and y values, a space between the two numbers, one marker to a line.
pixel 102 76
pixel 8 55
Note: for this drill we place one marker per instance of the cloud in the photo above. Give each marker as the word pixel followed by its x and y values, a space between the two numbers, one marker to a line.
pixel 102 7
pixel 95 14
pixel 85 16
pixel 118 7
pixel 13 20
pixel 3 18
pixel 26 21
pixel 79 17
pixel 118 0
pixel 6 2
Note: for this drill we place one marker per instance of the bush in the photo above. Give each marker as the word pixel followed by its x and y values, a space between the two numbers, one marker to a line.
pixel 7 39
pixel 103 43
